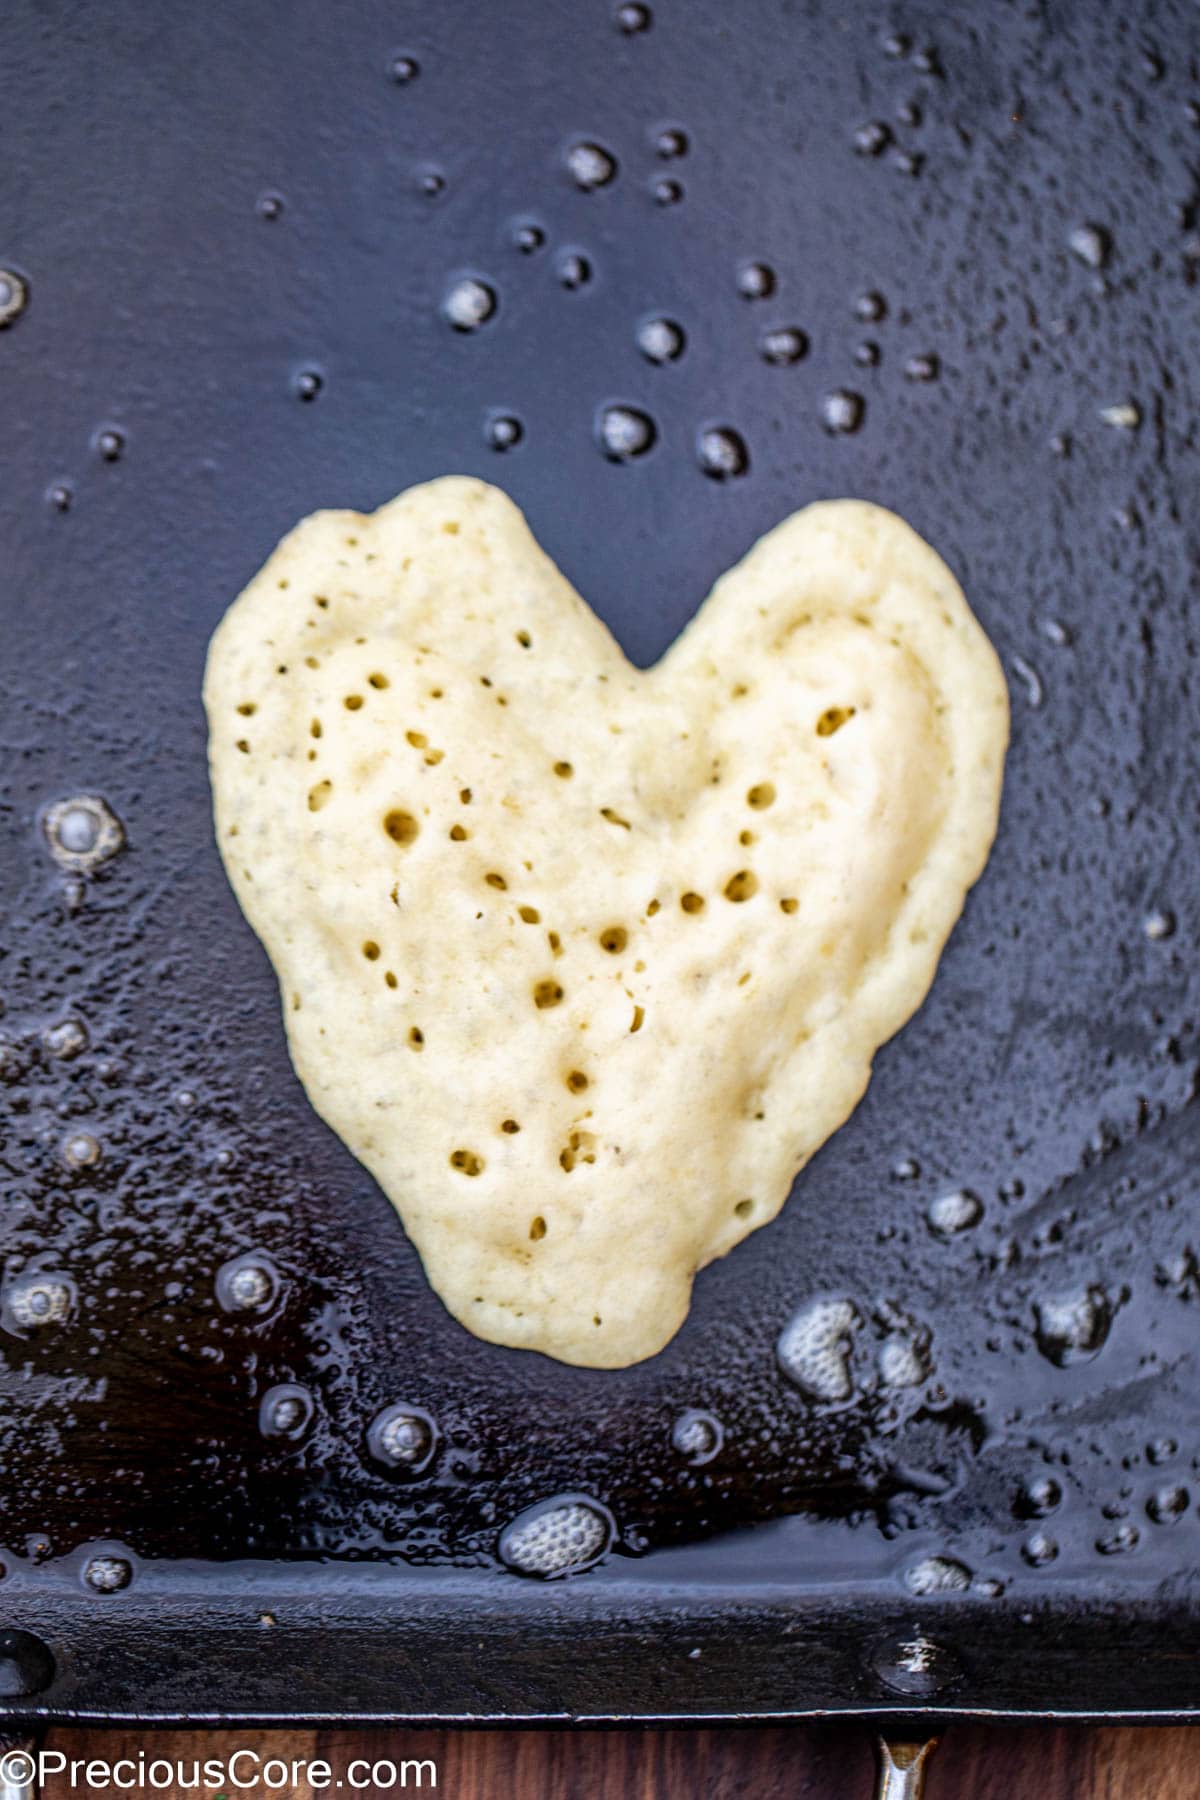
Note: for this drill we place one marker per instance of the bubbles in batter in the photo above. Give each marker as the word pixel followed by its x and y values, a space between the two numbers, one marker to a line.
pixel 563 1536
pixel 814 1348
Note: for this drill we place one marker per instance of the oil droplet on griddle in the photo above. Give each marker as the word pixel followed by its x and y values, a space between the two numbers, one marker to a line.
pixel 528 237
pixel 107 1574
pixel 624 432
pixel 755 281
pixel 1073 1327
pixel 697 1436
pixel 65 1039
pixel 785 344
pixel 937 1575
pixel 285 1411
pixel 403 1437
pixel 76 827
pixel 842 412
pixel 924 367
pixel 870 308
pixel 269 206
pixel 907 1168
pixel 403 69
pixel 1125 416
pixel 666 192
pixel 247 1283
pixel 574 269
pixel 1167 1505
pixel 867 354
pixel 60 494
pixel 873 138
pixel 80 1150
pixel 1035 693
pixel 1120 1540
pixel 307 384
pixel 633 18
pixel 815 1346
pixel 110 443
pixel 431 181
pixel 14 296
pixel 589 165
pixel 914 1665
pixel 1039 1549
pixel 903 1361
pixel 660 340
pixel 563 1536
pixel 40 1299
pixel 671 142
pixel 1159 925
pixel 954 1212
pixel 1040 1496
pixel 1091 244
pixel 468 304
pixel 503 431
pixel 721 452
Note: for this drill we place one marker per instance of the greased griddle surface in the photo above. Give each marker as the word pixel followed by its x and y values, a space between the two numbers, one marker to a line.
pixel 239 230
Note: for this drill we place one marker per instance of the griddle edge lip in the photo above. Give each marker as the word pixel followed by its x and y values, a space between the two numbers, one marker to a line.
pixel 417 1661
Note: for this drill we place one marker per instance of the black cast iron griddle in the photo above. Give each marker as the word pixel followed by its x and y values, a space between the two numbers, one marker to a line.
pixel 238 227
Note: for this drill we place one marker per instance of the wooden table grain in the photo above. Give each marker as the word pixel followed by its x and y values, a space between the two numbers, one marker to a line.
pixel 796 1763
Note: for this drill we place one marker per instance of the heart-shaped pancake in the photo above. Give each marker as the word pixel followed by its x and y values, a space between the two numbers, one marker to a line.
pixel 582 961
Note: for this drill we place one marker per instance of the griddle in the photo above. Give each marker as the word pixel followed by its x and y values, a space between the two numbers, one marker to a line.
pixel 237 228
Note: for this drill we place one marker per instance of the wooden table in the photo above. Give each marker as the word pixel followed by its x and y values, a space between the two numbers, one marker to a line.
pixel 827 1763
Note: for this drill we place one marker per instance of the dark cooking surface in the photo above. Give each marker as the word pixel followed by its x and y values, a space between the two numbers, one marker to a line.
pixel 176 303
